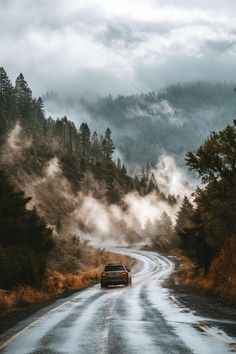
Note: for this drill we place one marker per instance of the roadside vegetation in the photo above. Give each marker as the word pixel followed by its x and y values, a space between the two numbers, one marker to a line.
pixel 34 265
pixel 58 283
pixel 47 167
pixel 207 227
pixel 40 257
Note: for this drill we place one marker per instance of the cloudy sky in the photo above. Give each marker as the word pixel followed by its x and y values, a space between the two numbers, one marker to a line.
pixel 117 46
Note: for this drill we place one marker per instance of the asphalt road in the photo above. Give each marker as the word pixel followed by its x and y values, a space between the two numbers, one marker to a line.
pixel 146 318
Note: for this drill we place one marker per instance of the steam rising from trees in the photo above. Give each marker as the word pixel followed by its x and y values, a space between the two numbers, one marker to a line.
pixel 169 122
pixel 81 213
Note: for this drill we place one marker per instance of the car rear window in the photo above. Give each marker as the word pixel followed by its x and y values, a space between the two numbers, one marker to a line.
pixel 115 268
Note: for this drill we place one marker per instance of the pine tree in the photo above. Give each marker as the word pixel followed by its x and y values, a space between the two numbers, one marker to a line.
pixel 6 87
pixel 24 240
pixel 184 215
pixel 108 145
pixel 123 170
pixel 23 96
pixel 38 117
pixel 7 106
pixel 22 90
pixel 95 147
pixel 84 133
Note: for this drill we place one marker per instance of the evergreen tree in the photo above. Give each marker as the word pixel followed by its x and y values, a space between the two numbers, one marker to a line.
pixel 23 96
pixel 184 215
pixel 95 147
pixel 123 170
pixel 38 117
pixel 7 106
pixel 23 92
pixel 84 133
pixel 108 145
pixel 24 240
pixel 6 87
pixel 214 219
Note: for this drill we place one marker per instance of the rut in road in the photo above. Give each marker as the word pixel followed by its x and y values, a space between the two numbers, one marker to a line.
pixel 141 319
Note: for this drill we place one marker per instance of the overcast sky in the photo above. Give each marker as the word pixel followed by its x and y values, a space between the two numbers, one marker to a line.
pixel 117 46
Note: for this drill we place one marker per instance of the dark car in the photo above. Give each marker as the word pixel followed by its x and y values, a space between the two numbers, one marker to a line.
pixel 115 274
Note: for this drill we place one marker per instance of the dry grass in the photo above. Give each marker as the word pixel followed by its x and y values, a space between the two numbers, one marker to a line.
pixel 222 275
pixel 221 278
pixel 59 283
pixel 21 296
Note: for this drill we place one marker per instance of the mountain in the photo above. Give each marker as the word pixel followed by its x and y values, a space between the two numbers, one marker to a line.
pixel 173 121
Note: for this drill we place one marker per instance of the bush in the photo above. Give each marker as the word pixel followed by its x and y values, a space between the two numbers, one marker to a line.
pixel 20 265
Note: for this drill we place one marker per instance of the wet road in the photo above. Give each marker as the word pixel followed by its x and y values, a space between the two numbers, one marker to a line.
pixel 146 318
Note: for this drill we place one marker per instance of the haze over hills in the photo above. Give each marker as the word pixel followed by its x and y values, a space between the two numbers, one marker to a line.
pixel 118 134
pixel 173 121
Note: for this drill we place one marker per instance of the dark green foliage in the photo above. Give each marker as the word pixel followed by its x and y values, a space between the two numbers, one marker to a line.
pixel 6 101
pixel 216 158
pixel 214 216
pixel 24 240
pixel 184 215
pixel 84 139
pixel 21 266
pixel 108 146
pixel 78 152
pixel 23 96
pixel 86 166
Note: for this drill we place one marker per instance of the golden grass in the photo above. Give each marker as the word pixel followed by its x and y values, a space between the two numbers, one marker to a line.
pixel 221 278
pixel 20 297
pixel 59 283
pixel 7 300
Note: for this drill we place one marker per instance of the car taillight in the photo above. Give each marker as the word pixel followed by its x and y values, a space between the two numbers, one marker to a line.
pixel 125 273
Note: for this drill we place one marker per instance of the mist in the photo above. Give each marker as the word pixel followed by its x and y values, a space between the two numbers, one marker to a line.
pixel 169 122
pixel 82 213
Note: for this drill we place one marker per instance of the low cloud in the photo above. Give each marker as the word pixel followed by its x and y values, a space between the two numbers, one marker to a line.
pixel 84 213
pixel 105 47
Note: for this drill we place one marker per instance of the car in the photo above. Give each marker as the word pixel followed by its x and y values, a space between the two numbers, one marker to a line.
pixel 115 274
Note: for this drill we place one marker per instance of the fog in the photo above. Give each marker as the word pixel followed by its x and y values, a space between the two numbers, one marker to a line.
pixel 81 213
pixel 100 47
pixel 169 122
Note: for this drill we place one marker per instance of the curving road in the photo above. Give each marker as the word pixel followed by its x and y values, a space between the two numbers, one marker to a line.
pixel 146 318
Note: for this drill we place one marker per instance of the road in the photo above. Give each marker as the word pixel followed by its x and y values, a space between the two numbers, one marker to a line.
pixel 146 318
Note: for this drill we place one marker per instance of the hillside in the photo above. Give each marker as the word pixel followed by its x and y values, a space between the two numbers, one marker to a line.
pixel 64 178
pixel 173 121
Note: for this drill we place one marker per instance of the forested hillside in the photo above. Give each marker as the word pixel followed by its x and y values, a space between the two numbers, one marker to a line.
pixel 80 151
pixel 207 228
pixel 173 121
pixel 58 183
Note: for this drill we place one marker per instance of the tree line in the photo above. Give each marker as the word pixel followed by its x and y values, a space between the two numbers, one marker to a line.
pixel 176 119
pixel 80 150
pixel 86 160
pixel 207 225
